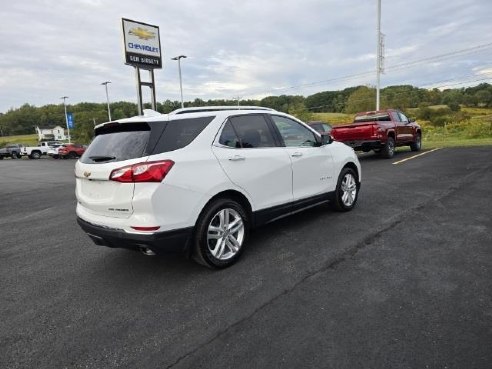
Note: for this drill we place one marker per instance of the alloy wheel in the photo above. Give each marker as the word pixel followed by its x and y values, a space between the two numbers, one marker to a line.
pixel 349 189
pixel 225 234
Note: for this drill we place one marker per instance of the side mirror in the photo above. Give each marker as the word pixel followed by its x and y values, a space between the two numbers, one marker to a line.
pixel 411 120
pixel 326 138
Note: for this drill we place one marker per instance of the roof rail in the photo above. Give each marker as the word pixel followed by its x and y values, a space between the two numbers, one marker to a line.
pixel 202 109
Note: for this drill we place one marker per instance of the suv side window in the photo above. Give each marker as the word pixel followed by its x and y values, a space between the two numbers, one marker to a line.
pixel 228 136
pixel 252 131
pixel 293 133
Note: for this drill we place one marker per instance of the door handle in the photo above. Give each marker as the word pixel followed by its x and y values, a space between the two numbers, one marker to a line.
pixel 296 154
pixel 237 158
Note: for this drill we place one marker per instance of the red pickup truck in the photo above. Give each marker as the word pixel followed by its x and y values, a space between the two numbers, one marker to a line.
pixel 380 131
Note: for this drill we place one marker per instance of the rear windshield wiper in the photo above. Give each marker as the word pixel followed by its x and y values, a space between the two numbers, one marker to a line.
pixel 99 158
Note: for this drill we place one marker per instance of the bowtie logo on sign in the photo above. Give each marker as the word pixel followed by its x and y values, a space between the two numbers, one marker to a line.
pixel 142 33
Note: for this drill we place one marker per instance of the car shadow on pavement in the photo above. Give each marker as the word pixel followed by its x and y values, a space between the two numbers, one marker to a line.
pixel 127 266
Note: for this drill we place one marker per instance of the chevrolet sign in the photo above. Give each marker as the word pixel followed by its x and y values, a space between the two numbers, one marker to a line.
pixel 142 44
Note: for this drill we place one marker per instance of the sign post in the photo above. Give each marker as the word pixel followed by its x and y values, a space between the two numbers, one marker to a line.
pixel 142 51
pixel 66 116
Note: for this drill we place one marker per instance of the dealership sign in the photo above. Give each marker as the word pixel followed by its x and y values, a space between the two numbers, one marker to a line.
pixel 142 44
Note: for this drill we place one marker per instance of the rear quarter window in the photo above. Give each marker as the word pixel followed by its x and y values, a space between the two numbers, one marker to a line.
pixel 179 133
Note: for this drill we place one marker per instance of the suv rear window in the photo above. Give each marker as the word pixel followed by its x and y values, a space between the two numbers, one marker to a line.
pixel 117 142
pixel 124 141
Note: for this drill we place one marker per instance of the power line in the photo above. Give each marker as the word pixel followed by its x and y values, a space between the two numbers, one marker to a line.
pixel 393 67
pixel 442 56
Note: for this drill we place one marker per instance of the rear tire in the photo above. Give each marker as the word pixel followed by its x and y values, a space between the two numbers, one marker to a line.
pixel 417 144
pixel 220 234
pixel 388 150
pixel 72 155
pixel 35 155
pixel 347 191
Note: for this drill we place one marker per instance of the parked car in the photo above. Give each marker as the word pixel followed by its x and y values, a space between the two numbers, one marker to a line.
pixel 70 151
pixel 11 151
pixel 381 131
pixel 53 150
pixel 320 126
pixel 198 182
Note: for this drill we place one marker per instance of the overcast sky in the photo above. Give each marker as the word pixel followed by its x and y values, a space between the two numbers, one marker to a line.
pixel 254 48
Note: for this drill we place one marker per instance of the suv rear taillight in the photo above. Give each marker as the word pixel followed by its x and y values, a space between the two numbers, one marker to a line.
pixel 150 171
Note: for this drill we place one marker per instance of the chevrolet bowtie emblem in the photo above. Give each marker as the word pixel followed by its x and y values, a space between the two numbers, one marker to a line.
pixel 87 174
pixel 142 33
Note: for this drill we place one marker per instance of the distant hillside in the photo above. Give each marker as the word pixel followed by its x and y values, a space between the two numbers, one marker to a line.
pixel 432 105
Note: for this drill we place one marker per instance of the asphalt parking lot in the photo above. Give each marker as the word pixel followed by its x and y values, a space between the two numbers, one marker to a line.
pixel 403 281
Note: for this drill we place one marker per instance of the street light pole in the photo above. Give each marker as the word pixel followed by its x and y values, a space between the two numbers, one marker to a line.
pixel 178 58
pixel 66 118
pixel 107 98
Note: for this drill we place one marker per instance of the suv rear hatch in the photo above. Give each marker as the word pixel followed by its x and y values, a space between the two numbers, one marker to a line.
pixel 115 145
pixel 119 145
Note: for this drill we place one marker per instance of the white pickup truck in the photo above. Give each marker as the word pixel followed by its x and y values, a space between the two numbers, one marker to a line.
pixel 35 152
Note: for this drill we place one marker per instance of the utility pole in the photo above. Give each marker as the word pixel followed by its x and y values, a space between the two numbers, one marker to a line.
pixel 378 58
pixel 107 98
pixel 66 118
pixel 238 99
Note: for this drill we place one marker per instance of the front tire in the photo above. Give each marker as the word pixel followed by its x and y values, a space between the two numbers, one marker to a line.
pixel 417 144
pixel 220 234
pixel 14 155
pixel 347 190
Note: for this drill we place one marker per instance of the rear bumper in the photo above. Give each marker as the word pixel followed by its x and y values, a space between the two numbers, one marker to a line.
pixel 160 242
pixel 364 145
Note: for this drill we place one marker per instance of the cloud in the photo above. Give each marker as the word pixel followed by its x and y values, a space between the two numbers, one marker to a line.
pixel 53 48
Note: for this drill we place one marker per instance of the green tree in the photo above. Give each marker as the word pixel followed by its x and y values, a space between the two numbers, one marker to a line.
pixel 362 99
pixel 484 98
pixel 299 110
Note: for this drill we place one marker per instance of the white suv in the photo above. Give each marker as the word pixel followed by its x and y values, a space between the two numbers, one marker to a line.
pixel 198 180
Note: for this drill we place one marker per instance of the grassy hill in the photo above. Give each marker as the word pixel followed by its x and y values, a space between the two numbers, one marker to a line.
pixel 27 140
